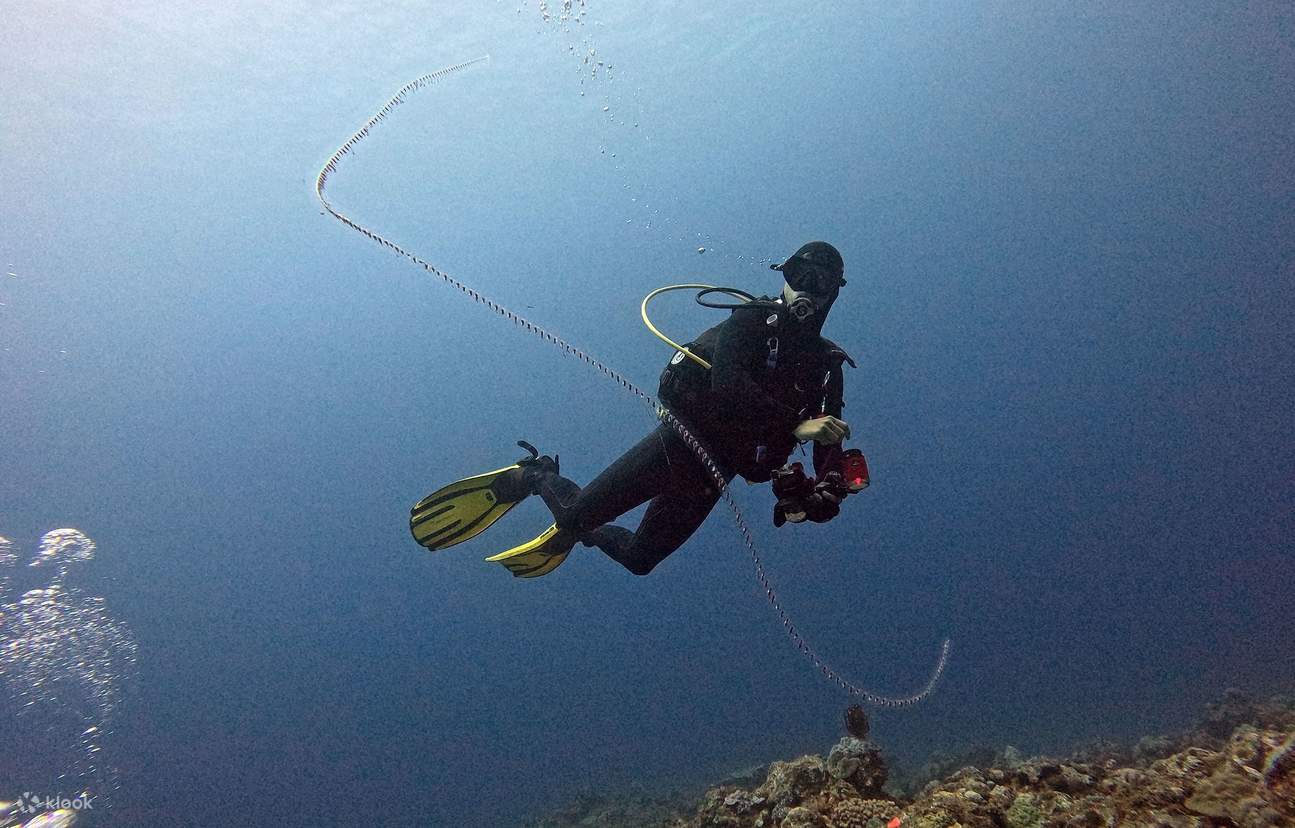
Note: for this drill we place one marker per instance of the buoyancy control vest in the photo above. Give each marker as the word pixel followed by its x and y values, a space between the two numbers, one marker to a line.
pixel 748 412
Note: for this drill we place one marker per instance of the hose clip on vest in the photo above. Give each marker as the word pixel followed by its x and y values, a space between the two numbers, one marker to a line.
pixel 772 361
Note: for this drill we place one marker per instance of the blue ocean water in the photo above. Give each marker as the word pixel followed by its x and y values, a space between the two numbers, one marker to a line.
pixel 1068 238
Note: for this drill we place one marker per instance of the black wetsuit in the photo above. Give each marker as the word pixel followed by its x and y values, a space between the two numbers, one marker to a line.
pixel 768 375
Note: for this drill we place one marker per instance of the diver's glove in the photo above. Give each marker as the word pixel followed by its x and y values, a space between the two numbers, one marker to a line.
pixel 824 429
pixel 801 499
pixel 825 502
pixel 792 488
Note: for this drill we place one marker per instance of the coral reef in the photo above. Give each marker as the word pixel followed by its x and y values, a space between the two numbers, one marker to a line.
pixel 1234 769
pixel 859 763
pixel 862 813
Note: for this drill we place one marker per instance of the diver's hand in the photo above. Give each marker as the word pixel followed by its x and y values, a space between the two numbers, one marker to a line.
pixel 826 430
pixel 825 503
pixel 821 507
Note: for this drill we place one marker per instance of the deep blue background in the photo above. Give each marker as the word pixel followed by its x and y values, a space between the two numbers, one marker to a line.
pixel 1068 234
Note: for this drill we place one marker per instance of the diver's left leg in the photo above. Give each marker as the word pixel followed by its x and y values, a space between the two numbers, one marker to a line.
pixel 557 492
pixel 670 520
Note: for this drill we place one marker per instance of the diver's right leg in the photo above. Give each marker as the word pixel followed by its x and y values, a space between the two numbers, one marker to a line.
pixel 633 479
pixel 660 468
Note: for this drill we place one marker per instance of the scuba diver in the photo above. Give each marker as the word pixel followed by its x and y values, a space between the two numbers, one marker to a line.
pixel 750 390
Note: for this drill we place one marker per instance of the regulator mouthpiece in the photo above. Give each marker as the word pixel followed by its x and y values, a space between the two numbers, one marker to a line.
pixel 801 307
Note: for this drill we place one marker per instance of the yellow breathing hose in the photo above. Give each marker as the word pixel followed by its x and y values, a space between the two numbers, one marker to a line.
pixel 667 340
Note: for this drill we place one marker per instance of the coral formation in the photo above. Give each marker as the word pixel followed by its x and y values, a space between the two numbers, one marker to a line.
pixel 802 818
pixel 1235 768
pixel 862 813
pixel 1279 769
pixel 859 763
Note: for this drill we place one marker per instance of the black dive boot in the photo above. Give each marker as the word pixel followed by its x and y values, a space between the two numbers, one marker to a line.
pixel 527 478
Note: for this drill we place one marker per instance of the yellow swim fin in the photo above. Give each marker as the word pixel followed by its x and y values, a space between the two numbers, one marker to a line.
pixel 539 556
pixel 466 508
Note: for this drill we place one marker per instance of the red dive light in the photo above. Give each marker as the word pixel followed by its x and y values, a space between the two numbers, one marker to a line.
pixel 854 468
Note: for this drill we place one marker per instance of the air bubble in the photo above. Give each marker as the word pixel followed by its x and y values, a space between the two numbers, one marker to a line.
pixel 53 639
